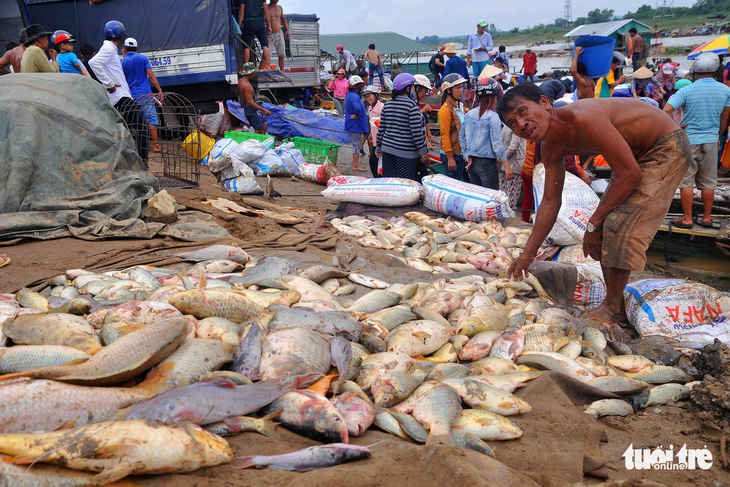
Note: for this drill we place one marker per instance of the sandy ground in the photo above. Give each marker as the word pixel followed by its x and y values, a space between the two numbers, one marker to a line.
pixel 559 441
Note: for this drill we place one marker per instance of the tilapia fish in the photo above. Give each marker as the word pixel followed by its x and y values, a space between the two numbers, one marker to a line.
pixel 311 458
pixel 294 351
pixel 120 448
pixel 53 329
pixel 44 405
pixel 312 415
pixel 437 410
pixel 120 361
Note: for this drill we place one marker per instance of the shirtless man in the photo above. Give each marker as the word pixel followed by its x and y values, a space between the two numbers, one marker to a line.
pixel 586 85
pixel 276 35
pixel 246 94
pixel 649 154
pixel 376 65
pixel 13 56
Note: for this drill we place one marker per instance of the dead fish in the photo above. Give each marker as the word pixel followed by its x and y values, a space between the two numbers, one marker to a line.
pixel 26 357
pixel 480 395
pixel 31 299
pixel 437 410
pixel 45 405
pixel 311 414
pixel 219 329
pixel 667 393
pixel 509 345
pixel 76 306
pixel 206 303
pixel 367 281
pixel 126 358
pixel 266 299
pixel 479 345
pixel 392 317
pixel 311 292
pixel 247 360
pixel 341 353
pixel 192 359
pixel 266 270
pixel 420 337
pixel 623 386
pixel 378 364
pixel 308 459
pixel 448 371
pixel 136 311
pixel 357 413
pixel 235 377
pixel 660 374
pixel 294 351
pixel 557 362
pixel 241 424
pixel 609 407
pixel 320 273
pixel 120 448
pixel 629 363
pixel 21 476
pixel 219 266
pixel 487 425
pixel 493 366
pixel 229 252
pixel 394 387
pixel 329 322
pixel 375 301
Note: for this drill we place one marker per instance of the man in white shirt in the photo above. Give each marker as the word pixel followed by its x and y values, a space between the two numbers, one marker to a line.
pixel 347 60
pixel 108 70
pixel 478 48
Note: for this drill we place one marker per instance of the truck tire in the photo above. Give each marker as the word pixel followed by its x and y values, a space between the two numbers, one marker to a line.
pixel 262 99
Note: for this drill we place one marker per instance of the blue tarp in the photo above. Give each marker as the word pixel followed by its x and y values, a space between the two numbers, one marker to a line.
pixel 298 123
pixel 169 24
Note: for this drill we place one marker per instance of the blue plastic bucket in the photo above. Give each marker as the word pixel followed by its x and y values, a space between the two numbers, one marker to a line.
pixel 597 54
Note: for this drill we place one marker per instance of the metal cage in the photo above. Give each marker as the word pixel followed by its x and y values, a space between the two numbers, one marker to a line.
pixel 166 131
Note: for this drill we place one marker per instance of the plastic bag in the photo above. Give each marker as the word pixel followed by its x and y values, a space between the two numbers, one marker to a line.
pixel 243 185
pixel 250 150
pixel 692 314
pixel 235 170
pixel 463 200
pixel 292 157
pixel 377 192
pixel 219 156
pixel 211 124
pixel 579 203
pixel 270 164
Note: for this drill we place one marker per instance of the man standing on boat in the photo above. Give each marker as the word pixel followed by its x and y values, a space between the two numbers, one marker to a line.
pixel 648 153
pixel 706 106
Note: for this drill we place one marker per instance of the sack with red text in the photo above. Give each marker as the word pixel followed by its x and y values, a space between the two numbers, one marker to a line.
pixel 345 180
pixel 579 203
pixel 377 192
pixel 690 313
pixel 463 200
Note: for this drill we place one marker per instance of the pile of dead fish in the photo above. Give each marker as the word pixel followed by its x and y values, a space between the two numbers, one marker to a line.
pixel 439 245
pixel 143 370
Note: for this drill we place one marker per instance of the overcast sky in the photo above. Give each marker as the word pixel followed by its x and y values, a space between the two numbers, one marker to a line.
pixel 446 17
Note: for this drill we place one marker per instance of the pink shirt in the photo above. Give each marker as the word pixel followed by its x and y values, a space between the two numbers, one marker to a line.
pixel 339 86
pixel 374 112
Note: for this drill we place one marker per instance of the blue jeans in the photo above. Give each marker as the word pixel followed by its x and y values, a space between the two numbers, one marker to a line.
pixel 376 68
pixel 635 58
pixel 478 67
pixel 484 172
pixel 460 164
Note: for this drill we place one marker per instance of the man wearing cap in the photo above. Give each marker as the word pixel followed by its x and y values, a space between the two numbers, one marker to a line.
pixel 706 106
pixel 478 48
pixel 253 18
pixel 347 60
pixel 108 69
pixel 455 64
pixel 35 59
pixel 14 56
pixel 529 64
pixel 139 75
pixel 246 94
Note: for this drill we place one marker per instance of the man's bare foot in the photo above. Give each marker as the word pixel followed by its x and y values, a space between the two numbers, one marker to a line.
pixel 604 314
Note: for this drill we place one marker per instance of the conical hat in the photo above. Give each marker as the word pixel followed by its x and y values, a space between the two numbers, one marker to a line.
pixel 490 71
pixel 643 73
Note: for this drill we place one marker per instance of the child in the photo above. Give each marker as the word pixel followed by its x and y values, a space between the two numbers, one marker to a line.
pixel 375 109
pixel 356 119
pixel 67 60
pixel 451 121
pixel 481 139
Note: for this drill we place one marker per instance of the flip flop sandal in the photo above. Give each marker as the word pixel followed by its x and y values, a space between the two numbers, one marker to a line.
pixel 679 224
pixel 705 224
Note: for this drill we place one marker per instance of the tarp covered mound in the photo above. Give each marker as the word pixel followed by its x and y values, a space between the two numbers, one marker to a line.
pixel 298 123
pixel 67 162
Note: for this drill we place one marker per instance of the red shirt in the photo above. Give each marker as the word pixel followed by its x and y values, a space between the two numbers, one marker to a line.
pixel 529 62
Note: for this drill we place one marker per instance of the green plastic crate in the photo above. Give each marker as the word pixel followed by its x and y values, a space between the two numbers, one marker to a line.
pixel 239 136
pixel 315 151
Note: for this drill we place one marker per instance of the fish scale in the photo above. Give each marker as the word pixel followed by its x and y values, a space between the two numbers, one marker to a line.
pixel 27 357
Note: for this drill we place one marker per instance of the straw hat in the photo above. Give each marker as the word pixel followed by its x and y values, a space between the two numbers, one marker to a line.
pixel 450 48
pixel 643 73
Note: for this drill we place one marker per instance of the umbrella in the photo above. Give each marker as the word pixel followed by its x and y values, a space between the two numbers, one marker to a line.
pixel 721 45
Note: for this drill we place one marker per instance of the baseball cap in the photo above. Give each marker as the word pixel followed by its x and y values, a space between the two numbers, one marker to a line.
pixel 339 47
pixel 482 23
pixel 130 42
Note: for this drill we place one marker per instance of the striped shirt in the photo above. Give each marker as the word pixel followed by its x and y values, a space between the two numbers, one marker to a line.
pixel 400 132
pixel 702 103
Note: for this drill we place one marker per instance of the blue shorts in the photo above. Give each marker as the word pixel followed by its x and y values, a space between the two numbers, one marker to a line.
pixel 254 118
pixel 356 141
pixel 255 28
pixel 148 109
